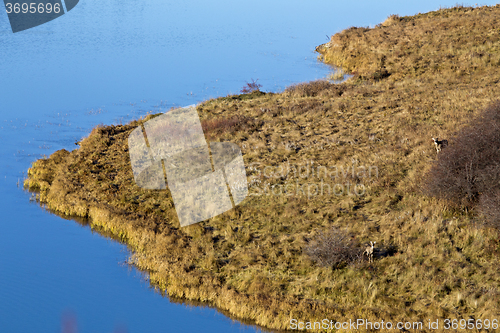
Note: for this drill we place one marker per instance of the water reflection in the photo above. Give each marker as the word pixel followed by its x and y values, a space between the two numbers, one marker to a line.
pixel 69 324
pixel 69 318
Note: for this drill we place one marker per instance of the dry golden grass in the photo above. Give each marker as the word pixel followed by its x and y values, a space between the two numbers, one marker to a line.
pixel 415 78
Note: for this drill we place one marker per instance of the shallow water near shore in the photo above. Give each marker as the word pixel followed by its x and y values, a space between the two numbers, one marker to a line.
pixel 111 62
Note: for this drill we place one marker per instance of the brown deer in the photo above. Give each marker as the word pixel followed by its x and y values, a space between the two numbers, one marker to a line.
pixel 439 144
pixel 369 251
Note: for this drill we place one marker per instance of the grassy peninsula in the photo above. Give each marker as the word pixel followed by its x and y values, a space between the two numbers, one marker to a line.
pixel 319 155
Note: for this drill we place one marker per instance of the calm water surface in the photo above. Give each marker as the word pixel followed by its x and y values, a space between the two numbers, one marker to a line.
pixel 109 62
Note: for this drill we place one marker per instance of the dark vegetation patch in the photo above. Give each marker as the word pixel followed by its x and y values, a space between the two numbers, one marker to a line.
pixel 467 173
pixel 334 248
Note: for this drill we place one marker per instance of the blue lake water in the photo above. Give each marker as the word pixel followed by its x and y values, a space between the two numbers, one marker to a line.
pixel 109 62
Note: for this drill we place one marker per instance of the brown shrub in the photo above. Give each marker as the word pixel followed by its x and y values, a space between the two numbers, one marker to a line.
pixel 251 87
pixel 470 167
pixel 334 248
pixel 309 89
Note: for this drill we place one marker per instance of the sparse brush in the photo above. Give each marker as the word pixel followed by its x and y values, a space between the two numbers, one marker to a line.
pixel 251 87
pixel 334 248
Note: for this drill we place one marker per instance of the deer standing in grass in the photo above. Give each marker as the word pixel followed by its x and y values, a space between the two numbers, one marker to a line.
pixel 369 251
pixel 440 144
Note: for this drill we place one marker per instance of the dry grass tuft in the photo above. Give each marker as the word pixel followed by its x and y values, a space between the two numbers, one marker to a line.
pixel 215 127
pixel 312 89
pixel 391 20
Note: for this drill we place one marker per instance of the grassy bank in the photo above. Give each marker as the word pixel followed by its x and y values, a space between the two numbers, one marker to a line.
pixel 319 155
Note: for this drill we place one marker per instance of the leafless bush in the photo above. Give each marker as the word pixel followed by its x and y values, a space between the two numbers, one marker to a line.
pixel 333 248
pixel 468 171
pixel 251 87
